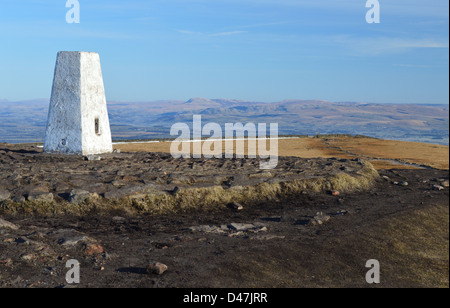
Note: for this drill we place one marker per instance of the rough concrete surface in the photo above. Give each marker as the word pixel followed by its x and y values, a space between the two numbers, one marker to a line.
pixel 78 120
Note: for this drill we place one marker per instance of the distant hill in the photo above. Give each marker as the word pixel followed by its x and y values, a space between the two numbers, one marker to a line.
pixel 25 121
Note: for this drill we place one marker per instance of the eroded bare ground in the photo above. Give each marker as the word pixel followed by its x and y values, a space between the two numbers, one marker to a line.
pixel 312 240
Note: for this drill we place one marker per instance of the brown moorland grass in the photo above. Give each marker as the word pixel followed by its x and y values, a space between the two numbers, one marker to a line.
pixel 432 155
pixel 383 154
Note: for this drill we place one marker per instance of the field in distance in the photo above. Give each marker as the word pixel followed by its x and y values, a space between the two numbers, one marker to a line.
pixel 383 154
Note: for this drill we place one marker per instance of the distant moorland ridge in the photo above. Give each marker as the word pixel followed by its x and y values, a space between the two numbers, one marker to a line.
pixel 25 121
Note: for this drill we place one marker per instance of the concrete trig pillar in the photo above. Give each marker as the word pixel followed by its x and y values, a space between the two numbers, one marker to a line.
pixel 78 120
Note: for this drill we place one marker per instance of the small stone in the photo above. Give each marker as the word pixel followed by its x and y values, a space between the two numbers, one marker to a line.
pixel 340 213
pixel 71 237
pixel 241 226
pixel 386 177
pixel 128 191
pixel 235 206
pixel 40 197
pixel 236 234
pixel 404 183
pixel 259 229
pixel 116 151
pixel 438 187
pixel 204 228
pixel 157 268
pixel 445 183
pixel 4 195
pixel 74 240
pixel 118 219
pixel 175 190
pixel 92 157
pixel 28 257
pixel 335 193
pixel 78 196
pixel 93 249
pixel 320 218
pixel 130 178
pixel 6 224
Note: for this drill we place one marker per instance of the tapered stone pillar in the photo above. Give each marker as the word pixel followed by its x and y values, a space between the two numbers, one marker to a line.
pixel 78 120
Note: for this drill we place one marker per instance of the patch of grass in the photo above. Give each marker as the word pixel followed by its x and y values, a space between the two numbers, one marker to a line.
pixel 419 246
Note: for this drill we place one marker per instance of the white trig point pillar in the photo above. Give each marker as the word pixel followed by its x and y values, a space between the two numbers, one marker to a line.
pixel 78 120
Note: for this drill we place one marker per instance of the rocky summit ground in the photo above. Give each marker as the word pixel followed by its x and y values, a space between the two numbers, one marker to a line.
pixel 30 179
pixel 306 239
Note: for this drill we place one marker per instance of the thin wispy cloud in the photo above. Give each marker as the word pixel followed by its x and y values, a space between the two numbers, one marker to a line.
pixel 413 66
pixel 229 33
pixel 261 25
pixel 234 32
pixel 188 32
pixel 385 45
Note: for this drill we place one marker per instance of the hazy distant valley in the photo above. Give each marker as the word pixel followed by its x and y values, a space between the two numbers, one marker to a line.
pixel 25 121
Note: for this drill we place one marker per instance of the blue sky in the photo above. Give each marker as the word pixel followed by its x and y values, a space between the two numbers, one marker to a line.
pixel 258 50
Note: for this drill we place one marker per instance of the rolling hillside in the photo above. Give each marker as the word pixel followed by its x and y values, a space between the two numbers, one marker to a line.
pixel 25 121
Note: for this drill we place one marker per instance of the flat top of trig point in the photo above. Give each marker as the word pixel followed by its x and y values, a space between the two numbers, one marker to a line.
pixel 84 52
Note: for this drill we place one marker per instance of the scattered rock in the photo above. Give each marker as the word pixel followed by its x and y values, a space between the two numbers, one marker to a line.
pixel 118 219
pixel 340 213
pixel 92 157
pixel 129 191
pixel 93 249
pixel 258 229
pixel 241 226
pixel 116 151
pixel 70 237
pixel 237 234
pixel 403 183
pixel 130 178
pixel 386 177
pixel 28 256
pixel 8 225
pixel 40 197
pixel 235 206
pixel 78 196
pixel 321 218
pixel 157 268
pixel 74 240
pixel 335 193
pixel 203 228
pixel 175 190
pixel 438 187
pixel 4 195
pixel 445 183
